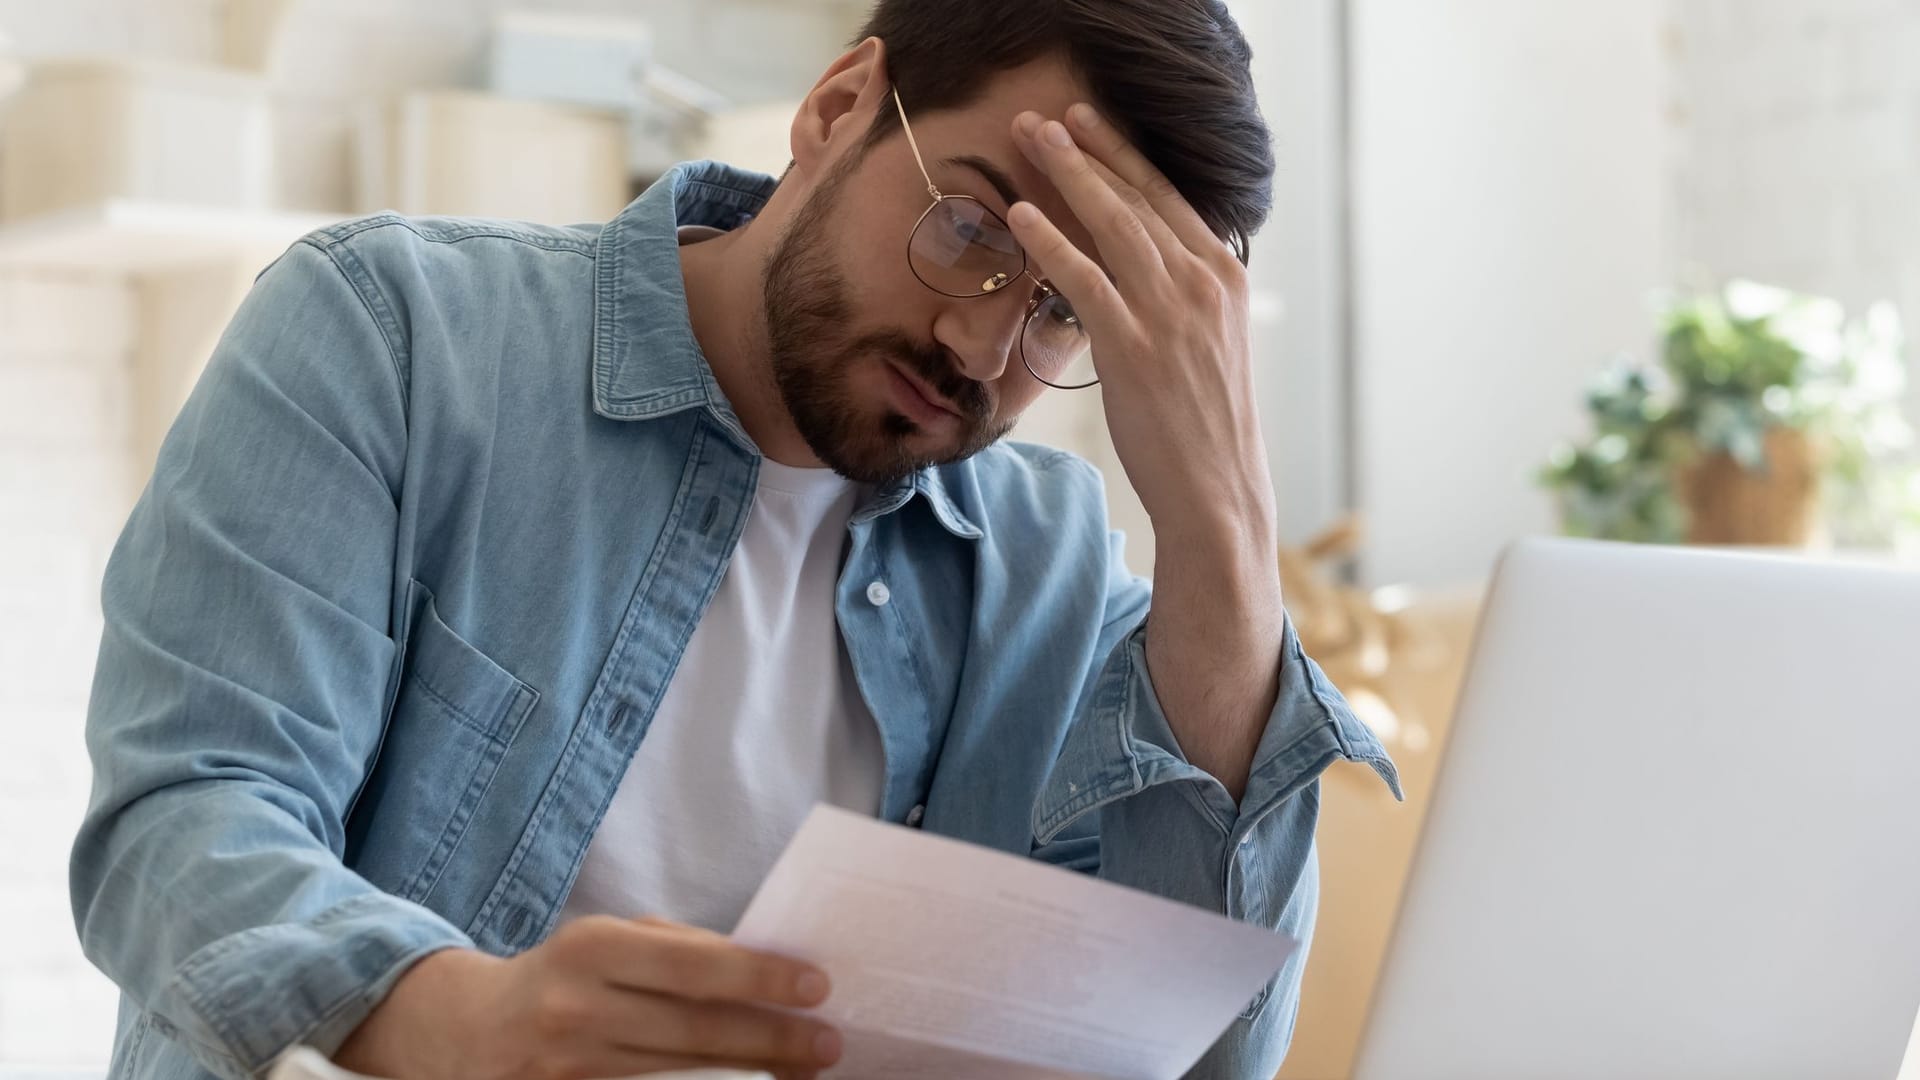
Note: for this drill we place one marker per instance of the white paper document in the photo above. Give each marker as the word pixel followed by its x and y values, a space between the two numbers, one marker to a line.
pixel 956 962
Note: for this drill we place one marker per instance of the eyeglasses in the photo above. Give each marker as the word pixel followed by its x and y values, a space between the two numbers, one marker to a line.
pixel 962 249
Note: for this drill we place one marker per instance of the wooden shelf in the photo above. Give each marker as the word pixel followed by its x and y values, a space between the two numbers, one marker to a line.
pixel 132 237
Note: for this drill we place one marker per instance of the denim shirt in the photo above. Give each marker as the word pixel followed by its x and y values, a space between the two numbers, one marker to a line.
pixel 414 570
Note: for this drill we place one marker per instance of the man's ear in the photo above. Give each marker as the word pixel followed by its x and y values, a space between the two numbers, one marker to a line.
pixel 836 113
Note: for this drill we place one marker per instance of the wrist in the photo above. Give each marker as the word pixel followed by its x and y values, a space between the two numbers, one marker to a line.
pixel 406 1034
pixel 1221 515
pixel 1238 553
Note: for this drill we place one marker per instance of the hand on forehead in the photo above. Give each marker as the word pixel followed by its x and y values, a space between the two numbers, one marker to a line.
pixel 993 146
pixel 975 149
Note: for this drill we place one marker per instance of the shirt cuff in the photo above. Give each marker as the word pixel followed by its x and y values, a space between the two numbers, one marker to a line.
pixel 245 999
pixel 1122 745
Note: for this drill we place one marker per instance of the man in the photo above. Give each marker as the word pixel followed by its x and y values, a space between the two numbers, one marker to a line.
pixel 505 595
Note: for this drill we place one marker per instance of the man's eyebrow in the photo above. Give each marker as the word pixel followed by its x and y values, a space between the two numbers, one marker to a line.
pixel 1001 182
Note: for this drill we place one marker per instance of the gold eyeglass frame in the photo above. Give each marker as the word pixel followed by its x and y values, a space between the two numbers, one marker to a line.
pixel 1043 291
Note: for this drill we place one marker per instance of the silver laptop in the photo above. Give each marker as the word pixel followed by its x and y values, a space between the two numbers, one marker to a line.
pixel 1676 833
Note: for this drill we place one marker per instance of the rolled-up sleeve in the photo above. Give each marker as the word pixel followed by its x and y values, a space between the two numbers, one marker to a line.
pixel 240 693
pixel 1168 827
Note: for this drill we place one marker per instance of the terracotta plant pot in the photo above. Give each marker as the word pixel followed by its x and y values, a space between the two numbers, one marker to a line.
pixel 1776 504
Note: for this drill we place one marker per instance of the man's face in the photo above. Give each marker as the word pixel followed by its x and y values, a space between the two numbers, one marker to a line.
pixel 881 374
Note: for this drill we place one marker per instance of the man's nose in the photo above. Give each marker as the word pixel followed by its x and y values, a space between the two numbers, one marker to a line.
pixel 983 332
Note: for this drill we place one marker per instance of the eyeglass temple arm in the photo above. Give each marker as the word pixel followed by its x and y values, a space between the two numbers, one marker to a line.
pixel 914 146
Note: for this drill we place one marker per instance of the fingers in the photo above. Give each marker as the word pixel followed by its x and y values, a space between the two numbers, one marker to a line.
pixel 602 1060
pixel 605 1061
pixel 1118 231
pixel 1156 226
pixel 736 1034
pixel 1164 238
pixel 1094 298
pixel 665 958
pixel 1105 143
pixel 619 997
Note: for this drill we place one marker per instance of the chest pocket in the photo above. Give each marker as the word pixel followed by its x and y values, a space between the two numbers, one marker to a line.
pixel 455 714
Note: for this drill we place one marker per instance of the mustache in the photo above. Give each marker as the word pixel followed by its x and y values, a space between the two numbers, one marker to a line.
pixel 932 363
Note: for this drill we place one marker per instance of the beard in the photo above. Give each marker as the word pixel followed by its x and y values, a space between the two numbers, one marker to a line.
pixel 814 356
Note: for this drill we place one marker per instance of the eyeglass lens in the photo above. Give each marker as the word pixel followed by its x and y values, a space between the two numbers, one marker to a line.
pixel 961 248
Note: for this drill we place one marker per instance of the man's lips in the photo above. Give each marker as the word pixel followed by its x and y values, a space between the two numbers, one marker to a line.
pixel 931 401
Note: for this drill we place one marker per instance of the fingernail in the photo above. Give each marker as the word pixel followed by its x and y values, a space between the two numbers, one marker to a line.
pixel 1084 115
pixel 1024 214
pixel 826 1047
pixel 811 986
pixel 1056 133
pixel 1027 122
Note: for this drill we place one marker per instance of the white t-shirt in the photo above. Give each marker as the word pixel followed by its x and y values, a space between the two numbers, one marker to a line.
pixel 762 720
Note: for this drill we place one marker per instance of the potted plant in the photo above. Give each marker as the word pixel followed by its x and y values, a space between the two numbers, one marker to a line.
pixel 1771 419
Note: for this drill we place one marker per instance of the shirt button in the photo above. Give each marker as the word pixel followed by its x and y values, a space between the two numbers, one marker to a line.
pixel 915 815
pixel 878 594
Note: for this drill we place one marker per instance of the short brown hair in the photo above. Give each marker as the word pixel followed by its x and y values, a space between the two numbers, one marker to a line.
pixel 1173 74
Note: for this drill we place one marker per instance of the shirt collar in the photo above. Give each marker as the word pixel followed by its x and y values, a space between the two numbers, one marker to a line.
pixel 646 361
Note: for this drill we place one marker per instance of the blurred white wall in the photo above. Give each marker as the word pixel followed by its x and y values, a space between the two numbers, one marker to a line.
pixel 67 479
pixel 1801 151
pixel 1510 200
pixel 1297 266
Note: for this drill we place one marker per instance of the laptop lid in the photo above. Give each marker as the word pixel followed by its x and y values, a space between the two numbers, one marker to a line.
pixel 1676 832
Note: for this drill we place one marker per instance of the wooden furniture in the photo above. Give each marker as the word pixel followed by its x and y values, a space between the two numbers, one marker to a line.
pixel 1398 656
